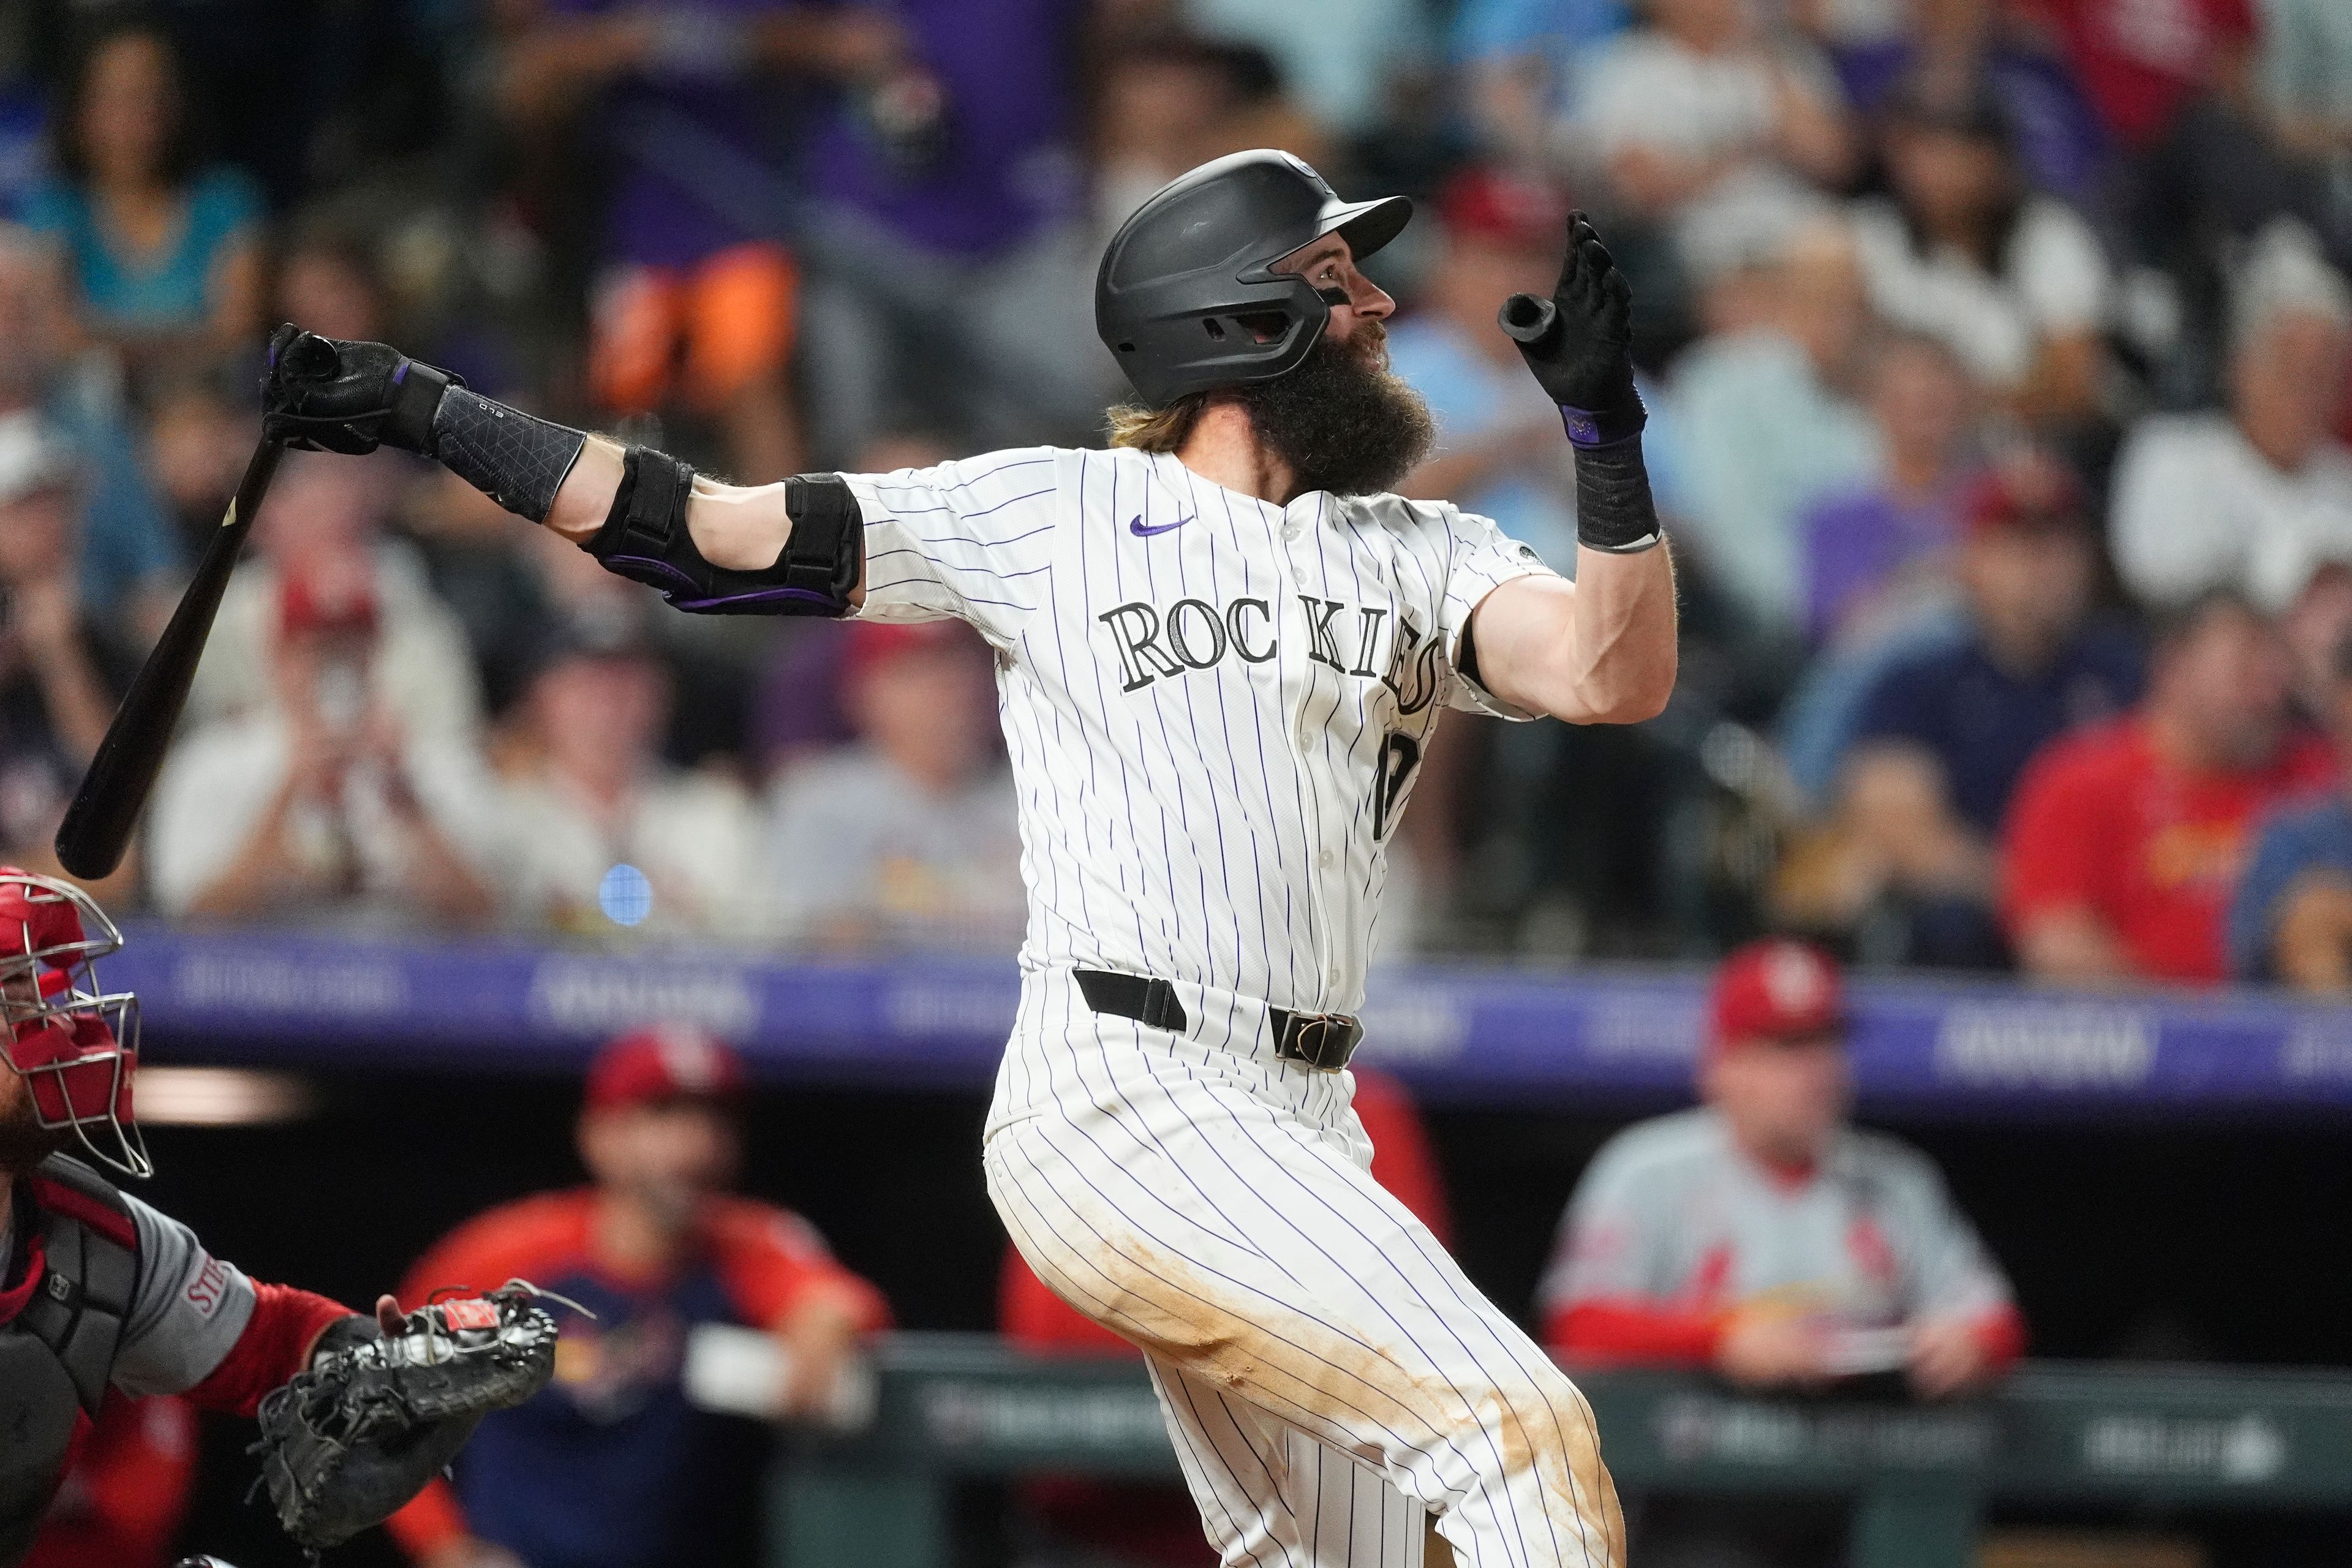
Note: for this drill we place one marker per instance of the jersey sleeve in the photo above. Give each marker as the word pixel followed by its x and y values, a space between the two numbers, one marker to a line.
pixel 1480 557
pixel 187 1309
pixel 1948 1271
pixel 970 541
pixel 1606 1242
pixel 773 1263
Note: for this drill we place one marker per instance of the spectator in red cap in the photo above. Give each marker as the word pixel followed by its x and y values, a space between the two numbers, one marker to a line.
pixel 1763 1235
pixel 909 837
pixel 1500 234
pixel 325 803
pixel 2124 841
pixel 612 1467
pixel 1943 732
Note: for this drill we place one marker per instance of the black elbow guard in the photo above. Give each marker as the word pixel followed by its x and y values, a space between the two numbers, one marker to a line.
pixel 645 537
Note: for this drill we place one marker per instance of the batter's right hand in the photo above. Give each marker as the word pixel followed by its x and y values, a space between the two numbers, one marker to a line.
pixel 333 395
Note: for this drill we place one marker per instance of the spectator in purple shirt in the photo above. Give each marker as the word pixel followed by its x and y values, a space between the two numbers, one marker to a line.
pixel 953 268
pixel 1873 556
pixel 696 297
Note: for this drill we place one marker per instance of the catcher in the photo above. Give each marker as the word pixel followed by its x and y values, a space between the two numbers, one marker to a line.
pixel 97 1288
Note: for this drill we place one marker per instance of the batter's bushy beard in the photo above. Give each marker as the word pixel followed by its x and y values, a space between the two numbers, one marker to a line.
pixel 1341 421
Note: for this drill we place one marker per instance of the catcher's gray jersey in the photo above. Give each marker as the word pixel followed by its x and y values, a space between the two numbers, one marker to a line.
pixel 187 1307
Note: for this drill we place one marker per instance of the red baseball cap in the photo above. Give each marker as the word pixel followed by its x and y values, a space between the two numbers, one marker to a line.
pixel 872 643
pixel 326 601
pixel 669 1062
pixel 2031 495
pixel 1776 989
pixel 1505 207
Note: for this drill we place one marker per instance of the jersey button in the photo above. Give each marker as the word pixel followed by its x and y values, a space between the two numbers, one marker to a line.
pixel 1324 859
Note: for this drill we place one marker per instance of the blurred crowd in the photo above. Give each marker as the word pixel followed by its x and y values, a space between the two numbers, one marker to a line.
pixel 1995 351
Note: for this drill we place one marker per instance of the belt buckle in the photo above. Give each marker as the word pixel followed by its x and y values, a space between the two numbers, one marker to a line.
pixel 1324 1041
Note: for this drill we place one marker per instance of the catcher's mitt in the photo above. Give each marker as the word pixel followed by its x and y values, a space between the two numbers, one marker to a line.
pixel 346 1442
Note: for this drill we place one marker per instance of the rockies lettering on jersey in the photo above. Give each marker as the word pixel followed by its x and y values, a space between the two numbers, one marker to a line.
pixel 1216 706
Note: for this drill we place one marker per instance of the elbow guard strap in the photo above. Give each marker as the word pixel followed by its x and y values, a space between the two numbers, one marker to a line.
pixel 645 538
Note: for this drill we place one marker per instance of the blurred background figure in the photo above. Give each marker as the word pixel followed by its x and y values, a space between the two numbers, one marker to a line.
pixel 1497 448
pixel 1769 417
pixel 161 248
pixel 59 676
pixel 324 805
pixel 122 1500
pixel 1903 866
pixel 131 563
pixel 696 296
pixel 1879 558
pixel 1092 1524
pixel 613 1465
pixel 1763 1236
pixel 326 521
pixel 2252 498
pixel 908 837
pixel 1170 101
pixel 1704 123
pixel 2291 919
pixel 947 239
pixel 611 833
pixel 2012 281
pixel 2122 842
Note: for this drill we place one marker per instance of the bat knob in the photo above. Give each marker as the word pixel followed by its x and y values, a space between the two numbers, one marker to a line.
pixel 1528 318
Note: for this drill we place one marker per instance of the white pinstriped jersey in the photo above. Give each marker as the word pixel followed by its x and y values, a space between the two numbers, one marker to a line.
pixel 1216 706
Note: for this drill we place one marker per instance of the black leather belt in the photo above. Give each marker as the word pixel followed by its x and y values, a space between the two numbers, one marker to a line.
pixel 1323 1041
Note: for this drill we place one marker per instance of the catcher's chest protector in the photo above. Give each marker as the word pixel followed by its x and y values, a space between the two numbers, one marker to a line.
pixel 57 1354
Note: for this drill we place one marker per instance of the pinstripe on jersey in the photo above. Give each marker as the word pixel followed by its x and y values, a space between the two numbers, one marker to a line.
pixel 1214 705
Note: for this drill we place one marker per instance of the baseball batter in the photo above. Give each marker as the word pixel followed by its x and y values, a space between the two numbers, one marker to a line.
pixel 1221 648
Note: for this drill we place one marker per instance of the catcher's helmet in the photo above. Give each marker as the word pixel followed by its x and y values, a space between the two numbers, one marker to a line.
pixel 1184 299
pixel 74 1043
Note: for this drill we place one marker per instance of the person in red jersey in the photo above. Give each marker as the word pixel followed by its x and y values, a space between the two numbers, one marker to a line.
pixel 122 1503
pixel 1764 1237
pixel 100 1295
pixel 2124 842
pixel 610 1465
pixel 1138 1525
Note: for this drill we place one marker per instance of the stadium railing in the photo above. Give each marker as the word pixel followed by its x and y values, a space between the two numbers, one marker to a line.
pixel 950 1407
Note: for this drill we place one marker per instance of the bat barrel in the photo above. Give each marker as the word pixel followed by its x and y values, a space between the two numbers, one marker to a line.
pixel 99 823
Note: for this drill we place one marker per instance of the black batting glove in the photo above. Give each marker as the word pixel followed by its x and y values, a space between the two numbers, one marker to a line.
pixel 331 394
pixel 1578 343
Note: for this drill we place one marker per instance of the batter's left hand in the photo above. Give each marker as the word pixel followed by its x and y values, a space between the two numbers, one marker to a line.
pixel 1578 343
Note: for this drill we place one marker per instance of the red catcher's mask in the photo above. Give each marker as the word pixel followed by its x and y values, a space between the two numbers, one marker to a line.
pixel 74 1045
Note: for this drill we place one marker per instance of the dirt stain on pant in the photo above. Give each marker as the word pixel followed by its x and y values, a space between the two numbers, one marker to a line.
pixel 1346 1391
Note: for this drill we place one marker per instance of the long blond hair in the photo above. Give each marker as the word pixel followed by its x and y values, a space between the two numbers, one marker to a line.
pixel 1155 429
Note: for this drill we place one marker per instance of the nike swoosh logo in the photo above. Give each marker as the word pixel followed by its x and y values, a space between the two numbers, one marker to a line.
pixel 1135 526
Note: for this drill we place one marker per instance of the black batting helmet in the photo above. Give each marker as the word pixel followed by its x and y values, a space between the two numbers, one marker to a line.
pixel 1185 300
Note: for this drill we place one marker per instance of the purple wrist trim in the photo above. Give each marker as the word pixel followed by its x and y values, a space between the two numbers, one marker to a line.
pixel 684 597
pixel 1602 428
pixel 401 373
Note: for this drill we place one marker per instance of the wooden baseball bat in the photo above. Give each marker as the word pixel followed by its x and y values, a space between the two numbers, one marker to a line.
pixel 97 826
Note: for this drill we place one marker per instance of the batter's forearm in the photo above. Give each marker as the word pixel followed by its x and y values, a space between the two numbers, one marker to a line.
pixel 1624 633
